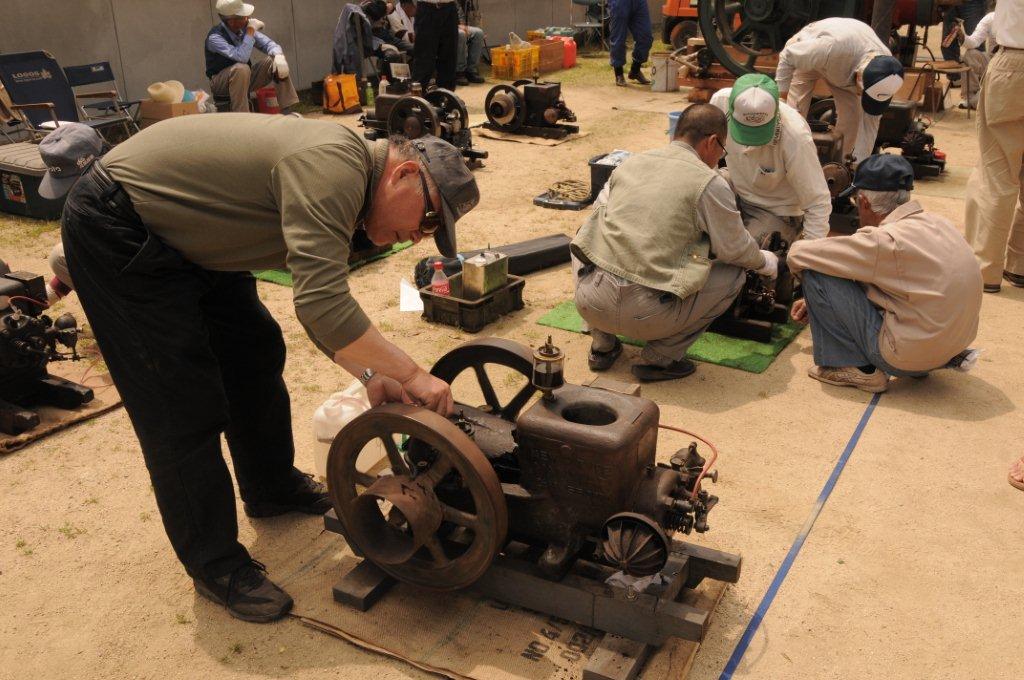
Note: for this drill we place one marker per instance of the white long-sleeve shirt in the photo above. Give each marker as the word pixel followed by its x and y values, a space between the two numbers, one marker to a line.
pixel 400 21
pixel 835 48
pixel 1009 23
pixel 783 176
pixel 982 32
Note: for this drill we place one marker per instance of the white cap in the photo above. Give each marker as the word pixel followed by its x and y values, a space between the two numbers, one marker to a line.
pixel 234 8
pixel 885 89
pixel 754 107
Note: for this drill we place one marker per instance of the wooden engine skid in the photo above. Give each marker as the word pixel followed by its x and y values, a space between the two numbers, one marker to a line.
pixel 536 503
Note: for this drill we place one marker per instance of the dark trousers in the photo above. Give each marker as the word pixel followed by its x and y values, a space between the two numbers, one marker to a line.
pixel 436 48
pixel 634 17
pixel 972 11
pixel 193 353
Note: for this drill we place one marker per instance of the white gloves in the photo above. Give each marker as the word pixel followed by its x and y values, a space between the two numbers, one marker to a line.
pixel 771 265
pixel 280 66
pixel 256 24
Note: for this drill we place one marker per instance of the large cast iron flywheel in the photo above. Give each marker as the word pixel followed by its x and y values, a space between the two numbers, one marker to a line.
pixel 435 520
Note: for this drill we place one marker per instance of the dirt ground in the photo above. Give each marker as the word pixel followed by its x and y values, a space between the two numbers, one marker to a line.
pixel 912 570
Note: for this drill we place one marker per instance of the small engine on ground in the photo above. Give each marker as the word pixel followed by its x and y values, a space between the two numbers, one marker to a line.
pixel 572 474
pixel 404 109
pixel 529 107
pixel 762 301
pixel 29 340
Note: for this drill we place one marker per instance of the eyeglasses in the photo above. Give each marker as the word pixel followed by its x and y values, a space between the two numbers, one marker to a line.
pixel 432 219
pixel 719 142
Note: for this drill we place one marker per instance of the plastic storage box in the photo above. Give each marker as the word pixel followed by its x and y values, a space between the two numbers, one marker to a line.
pixel 472 315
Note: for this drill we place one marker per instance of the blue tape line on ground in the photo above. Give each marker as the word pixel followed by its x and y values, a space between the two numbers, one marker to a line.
pixel 794 550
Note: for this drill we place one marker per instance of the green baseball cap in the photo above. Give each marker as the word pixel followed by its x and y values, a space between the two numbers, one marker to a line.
pixel 753 110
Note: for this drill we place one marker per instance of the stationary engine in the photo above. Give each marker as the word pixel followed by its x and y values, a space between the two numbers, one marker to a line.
pixel 572 475
pixel 529 107
pixel 404 109
pixel 762 301
pixel 29 340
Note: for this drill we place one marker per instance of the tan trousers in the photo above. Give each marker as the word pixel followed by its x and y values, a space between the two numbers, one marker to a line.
pixel 240 80
pixel 761 222
pixel 859 130
pixel 978 61
pixel 614 306
pixel 994 216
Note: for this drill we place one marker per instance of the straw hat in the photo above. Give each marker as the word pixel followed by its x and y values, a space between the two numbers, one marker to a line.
pixel 167 92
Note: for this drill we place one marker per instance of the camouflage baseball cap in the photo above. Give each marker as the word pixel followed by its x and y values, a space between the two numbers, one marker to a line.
pixel 455 183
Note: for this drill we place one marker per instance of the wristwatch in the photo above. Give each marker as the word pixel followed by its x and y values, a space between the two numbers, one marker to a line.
pixel 367 375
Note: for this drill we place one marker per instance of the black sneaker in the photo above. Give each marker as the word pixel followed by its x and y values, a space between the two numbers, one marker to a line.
pixel 991 287
pixel 474 77
pixel 247 593
pixel 652 373
pixel 602 361
pixel 461 79
pixel 1016 280
pixel 304 495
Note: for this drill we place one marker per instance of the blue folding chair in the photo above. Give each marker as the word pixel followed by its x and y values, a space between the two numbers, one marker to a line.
pixel 41 94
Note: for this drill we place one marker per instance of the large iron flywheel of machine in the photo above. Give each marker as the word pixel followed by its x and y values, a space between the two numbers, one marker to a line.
pixel 435 520
pixel 413 117
pixel 739 32
pixel 505 107
pixel 450 108
pixel 513 359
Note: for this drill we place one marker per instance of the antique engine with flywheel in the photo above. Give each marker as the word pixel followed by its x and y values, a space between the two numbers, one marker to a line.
pixel 572 474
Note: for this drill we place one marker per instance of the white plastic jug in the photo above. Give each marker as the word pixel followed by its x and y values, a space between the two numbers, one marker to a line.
pixel 335 413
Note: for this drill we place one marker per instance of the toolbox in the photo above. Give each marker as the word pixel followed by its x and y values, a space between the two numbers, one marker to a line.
pixel 21 171
pixel 472 315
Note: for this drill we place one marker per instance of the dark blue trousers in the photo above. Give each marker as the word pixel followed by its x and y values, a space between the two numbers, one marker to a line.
pixel 633 17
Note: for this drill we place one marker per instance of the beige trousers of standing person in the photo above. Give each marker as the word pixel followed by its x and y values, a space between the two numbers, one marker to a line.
pixel 859 130
pixel 978 61
pixel 994 216
pixel 612 306
pixel 239 80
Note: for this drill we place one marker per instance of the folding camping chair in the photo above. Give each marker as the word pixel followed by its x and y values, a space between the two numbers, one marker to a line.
pixel 114 107
pixel 42 95
pixel 595 22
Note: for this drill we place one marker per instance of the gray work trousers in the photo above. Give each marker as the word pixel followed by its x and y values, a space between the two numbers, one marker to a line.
pixel 760 222
pixel 845 325
pixel 612 306
pixel 471 48
pixel 978 61
pixel 238 81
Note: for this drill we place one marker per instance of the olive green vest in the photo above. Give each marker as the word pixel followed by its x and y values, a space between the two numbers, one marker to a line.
pixel 648 231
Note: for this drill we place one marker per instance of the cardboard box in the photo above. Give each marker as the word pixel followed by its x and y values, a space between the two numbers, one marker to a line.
pixel 551 55
pixel 153 112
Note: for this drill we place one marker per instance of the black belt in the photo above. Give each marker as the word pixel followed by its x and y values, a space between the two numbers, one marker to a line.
pixel 112 193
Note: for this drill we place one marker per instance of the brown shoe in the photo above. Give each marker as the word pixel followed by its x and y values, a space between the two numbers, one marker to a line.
pixel 851 376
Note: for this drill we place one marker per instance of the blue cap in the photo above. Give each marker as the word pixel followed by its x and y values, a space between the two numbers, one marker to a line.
pixel 884 172
pixel 882 79
pixel 68 151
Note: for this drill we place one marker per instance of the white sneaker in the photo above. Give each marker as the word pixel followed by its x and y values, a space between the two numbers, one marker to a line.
pixel 851 376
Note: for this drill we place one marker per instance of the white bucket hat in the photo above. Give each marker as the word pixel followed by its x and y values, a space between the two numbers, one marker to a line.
pixel 234 8
pixel 167 92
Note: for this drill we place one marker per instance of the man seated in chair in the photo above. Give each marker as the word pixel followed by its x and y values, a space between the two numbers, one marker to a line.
pixel 229 63
pixel 667 254
pixel 471 47
pixel 900 297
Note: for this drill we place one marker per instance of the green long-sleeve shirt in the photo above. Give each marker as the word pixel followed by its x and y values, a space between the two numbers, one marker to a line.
pixel 238 191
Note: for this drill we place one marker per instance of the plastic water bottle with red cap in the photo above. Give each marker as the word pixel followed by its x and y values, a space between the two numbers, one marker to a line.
pixel 439 283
